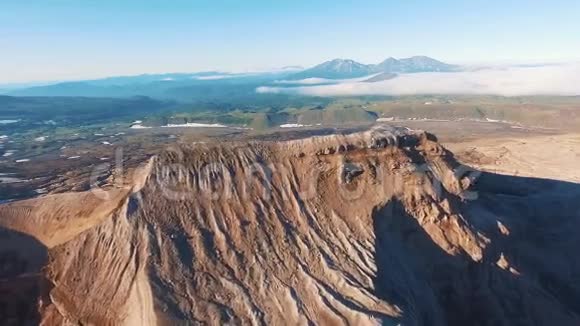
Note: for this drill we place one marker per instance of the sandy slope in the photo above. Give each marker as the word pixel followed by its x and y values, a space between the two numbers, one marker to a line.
pixel 553 157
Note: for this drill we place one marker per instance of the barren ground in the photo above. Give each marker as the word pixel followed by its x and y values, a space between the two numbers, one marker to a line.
pixel 551 157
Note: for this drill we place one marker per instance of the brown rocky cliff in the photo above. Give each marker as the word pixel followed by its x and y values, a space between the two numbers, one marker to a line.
pixel 376 227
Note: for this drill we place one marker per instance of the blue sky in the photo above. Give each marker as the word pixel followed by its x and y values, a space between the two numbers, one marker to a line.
pixel 74 39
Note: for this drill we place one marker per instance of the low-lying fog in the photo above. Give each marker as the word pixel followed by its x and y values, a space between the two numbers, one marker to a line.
pixel 557 79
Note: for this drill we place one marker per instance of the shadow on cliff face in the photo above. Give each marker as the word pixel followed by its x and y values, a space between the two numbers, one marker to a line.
pixel 540 220
pixel 529 273
pixel 21 260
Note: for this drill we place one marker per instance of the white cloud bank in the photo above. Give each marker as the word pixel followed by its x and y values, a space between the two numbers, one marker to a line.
pixel 215 77
pixel 307 81
pixel 561 79
pixel 315 81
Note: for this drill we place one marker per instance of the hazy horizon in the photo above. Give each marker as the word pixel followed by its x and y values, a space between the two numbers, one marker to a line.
pixel 496 64
pixel 65 40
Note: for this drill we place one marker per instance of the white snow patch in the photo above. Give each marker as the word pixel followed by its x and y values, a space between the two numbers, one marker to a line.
pixel 195 125
pixel 386 119
pixel 5 122
pixel 294 125
pixel 73 157
pixel 139 127
pixel 188 125
pixel 10 180
pixel 41 138
pixel 106 143
pixel 22 160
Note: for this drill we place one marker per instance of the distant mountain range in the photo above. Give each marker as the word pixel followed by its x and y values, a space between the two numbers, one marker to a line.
pixel 346 68
pixel 216 86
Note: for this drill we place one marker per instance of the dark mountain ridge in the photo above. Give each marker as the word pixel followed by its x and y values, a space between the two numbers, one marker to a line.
pixel 214 85
pixel 346 68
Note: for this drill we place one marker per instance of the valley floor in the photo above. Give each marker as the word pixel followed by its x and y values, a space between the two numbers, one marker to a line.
pixel 545 156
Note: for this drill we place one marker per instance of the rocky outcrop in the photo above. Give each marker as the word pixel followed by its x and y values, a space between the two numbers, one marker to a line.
pixel 378 227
